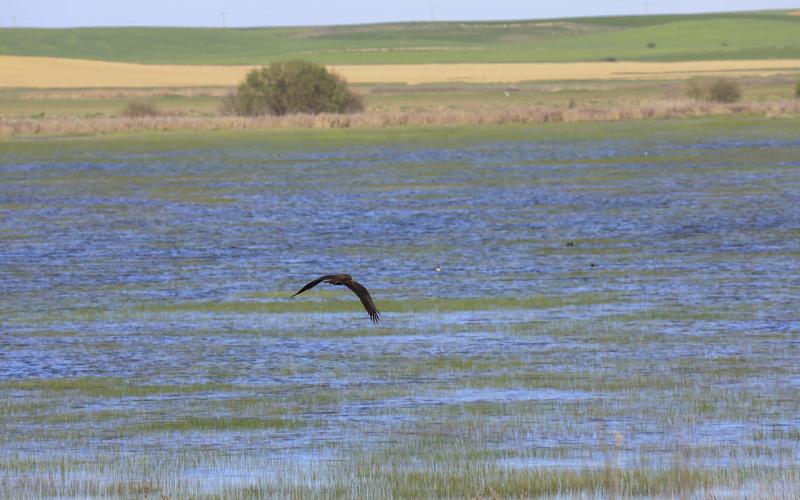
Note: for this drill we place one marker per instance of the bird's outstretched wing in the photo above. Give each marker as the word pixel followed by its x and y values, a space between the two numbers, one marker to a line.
pixel 314 283
pixel 366 299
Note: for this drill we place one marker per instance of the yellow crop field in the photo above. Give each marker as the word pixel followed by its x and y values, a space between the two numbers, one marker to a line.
pixel 50 72
pixel 45 72
pixel 520 72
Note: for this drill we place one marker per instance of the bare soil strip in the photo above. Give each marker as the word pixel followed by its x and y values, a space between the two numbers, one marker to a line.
pixel 46 72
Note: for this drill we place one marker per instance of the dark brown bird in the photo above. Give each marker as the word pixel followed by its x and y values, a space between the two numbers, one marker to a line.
pixel 356 287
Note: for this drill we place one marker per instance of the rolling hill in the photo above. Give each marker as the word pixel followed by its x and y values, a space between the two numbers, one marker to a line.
pixel 723 36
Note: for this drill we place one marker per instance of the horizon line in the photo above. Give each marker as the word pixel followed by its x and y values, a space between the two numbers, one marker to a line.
pixel 419 21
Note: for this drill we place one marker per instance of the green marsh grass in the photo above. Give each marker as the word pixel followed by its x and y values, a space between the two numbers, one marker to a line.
pixel 665 371
pixel 226 423
pixel 346 304
pixel 106 387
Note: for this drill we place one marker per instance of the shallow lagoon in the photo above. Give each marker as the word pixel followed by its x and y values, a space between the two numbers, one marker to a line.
pixel 607 309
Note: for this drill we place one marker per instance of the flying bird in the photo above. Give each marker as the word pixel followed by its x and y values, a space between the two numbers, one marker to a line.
pixel 356 287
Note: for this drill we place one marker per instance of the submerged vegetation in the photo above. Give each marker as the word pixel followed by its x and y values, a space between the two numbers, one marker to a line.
pixel 612 314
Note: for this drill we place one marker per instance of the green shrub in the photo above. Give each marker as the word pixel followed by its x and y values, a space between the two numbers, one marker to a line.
pixel 231 105
pixel 292 87
pixel 724 90
pixel 651 45
pixel 797 89
pixel 137 109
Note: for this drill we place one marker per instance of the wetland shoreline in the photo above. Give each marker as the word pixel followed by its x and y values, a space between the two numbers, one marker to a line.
pixel 11 127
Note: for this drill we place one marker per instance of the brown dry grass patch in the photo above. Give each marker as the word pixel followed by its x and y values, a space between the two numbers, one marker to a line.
pixel 46 72
pixel 677 108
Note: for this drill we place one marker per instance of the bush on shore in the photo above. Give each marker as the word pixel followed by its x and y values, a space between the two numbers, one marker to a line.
pixel 722 90
pixel 291 87
pixel 138 109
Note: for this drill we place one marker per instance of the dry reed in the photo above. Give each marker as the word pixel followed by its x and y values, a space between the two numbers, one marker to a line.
pixel 679 108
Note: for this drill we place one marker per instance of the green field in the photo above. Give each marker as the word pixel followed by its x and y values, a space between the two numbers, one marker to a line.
pixel 746 35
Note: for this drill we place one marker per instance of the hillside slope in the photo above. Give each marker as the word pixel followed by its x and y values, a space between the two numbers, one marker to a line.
pixel 750 35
